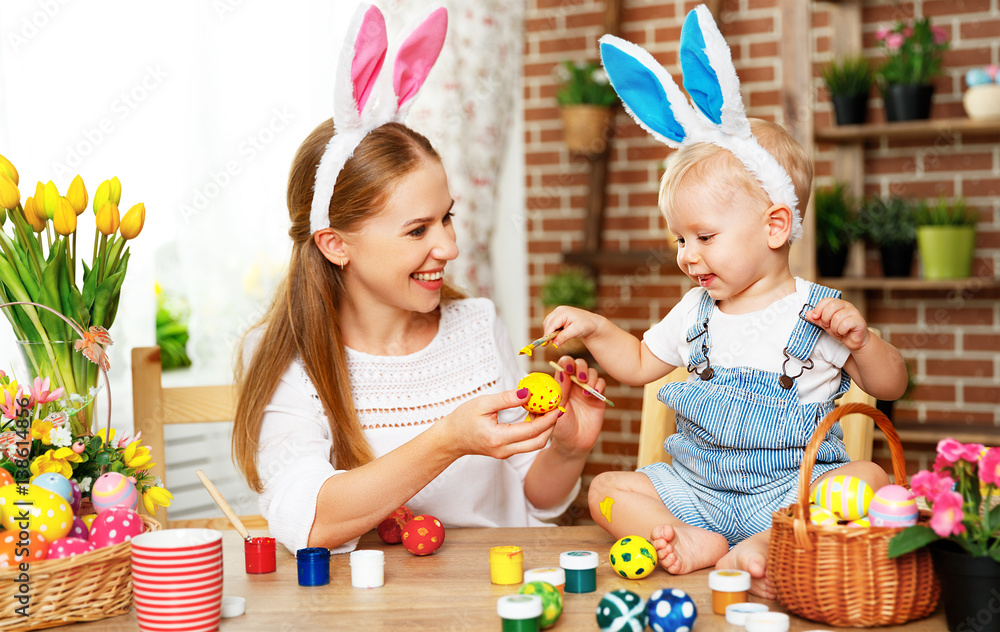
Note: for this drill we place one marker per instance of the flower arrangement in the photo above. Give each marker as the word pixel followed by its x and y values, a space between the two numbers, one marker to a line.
pixel 913 51
pixel 39 263
pixel 583 82
pixel 960 489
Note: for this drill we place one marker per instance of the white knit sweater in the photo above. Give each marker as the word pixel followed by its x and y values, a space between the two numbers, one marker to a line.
pixel 397 398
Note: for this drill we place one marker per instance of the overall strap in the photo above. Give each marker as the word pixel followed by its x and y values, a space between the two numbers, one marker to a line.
pixel 699 339
pixel 804 336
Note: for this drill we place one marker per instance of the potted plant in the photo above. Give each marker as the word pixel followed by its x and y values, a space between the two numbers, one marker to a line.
pixel 963 530
pixel 848 82
pixel 913 57
pixel 891 225
pixel 835 228
pixel 946 238
pixel 572 287
pixel 585 97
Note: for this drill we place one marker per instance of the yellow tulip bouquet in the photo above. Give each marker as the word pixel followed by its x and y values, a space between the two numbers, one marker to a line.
pixel 39 264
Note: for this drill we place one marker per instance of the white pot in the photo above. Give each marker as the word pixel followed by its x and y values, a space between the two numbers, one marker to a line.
pixel 982 101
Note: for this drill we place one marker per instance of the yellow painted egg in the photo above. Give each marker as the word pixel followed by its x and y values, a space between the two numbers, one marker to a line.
pixel 821 515
pixel 859 523
pixel 632 557
pixel 39 509
pixel 545 392
pixel 88 520
pixel 846 496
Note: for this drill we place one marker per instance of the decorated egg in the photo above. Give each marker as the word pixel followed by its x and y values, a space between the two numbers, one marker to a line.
pixel 391 529
pixel 42 510
pixel 671 610
pixel 859 523
pixel 13 550
pixel 5 477
pixel 552 601
pixel 88 520
pixel 621 610
pixel 114 526
pixel 68 547
pixel 633 557
pixel 893 506
pixel 77 497
pixel 545 392
pixel 846 496
pixel 113 490
pixel 79 529
pixel 423 535
pixel 821 515
pixel 977 77
pixel 55 483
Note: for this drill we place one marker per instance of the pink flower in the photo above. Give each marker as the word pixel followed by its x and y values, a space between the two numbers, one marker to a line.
pixel 40 392
pixel 940 35
pixel 992 71
pixel 908 32
pixel 930 484
pixel 10 406
pixel 881 34
pixel 946 519
pixel 894 41
pixel 950 449
pixel 989 467
pixel 971 452
pixel 940 463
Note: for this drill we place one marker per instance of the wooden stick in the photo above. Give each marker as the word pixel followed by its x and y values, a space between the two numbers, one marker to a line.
pixel 223 505
pixel 541 342
pixel 582 385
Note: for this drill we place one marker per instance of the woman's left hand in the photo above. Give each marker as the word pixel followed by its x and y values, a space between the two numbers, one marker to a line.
pixel 577 430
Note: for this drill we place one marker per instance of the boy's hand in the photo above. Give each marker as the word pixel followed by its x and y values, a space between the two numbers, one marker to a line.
pixel 842 320
pixel 575 323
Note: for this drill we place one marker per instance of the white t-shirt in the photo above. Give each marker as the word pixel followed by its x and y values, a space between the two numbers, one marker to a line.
pixel 397 398
pixel 753 340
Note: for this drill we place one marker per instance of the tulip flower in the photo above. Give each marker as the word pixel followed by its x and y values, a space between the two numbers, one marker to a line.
pixel 133 221
pixel 156 496
pixel 51 200
pixel 77 195
pixel 10 197
pixel 115 194
pixel 37 221
pixel 7 169
pixel 108 219
pixel 102 195
pixel 65 218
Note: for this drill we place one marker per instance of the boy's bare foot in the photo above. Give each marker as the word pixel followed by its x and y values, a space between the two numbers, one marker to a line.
pixel 685 549
pixel 750 555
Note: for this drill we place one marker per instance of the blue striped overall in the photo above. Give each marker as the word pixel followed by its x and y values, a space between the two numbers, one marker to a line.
pixel 741 434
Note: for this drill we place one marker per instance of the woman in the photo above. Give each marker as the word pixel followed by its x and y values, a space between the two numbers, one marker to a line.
pixel 371 383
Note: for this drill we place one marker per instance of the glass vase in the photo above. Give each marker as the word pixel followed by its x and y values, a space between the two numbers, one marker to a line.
pixel 65 367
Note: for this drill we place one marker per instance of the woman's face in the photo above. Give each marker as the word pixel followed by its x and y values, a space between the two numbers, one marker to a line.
pixel 397 258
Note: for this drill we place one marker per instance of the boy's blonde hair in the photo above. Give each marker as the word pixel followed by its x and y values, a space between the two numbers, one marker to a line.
pixel 704 162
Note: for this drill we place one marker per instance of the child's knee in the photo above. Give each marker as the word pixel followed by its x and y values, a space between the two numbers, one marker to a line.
pixel 872 473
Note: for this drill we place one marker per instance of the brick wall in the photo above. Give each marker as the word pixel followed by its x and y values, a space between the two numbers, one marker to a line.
pixel 951 337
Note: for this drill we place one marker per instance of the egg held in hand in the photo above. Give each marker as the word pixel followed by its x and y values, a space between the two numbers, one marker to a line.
pixel 545 392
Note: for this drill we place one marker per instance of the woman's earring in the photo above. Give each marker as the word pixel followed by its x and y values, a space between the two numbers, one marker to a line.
pixel 342 264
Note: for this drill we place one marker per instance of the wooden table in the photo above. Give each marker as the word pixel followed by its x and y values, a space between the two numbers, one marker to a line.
pixel 449 591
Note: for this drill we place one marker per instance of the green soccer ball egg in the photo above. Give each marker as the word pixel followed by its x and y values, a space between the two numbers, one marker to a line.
pixel 622 611
pixel 552 601
pixel 633 557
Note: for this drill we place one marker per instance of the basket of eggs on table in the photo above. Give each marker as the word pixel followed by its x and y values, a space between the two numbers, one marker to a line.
pixel 828 559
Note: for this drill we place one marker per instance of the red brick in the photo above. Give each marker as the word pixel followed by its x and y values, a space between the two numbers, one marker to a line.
pixel 941 316
pixel 968 418
pixel 760 73
pixel 748 27
pixel 763 49
pixel 963 368
pixel 985 29
pixel 892 315
pixel 967 57
pixel 544 247
pixel 540 24
pixel 923 340
pixel 655 152
pixel 762 4
pixel 636 200
pixel 922 189
pixel 934 8
pixel 761 98
pixel 539 70
pixel 626 223
pixel 550 135
pixel 958 162
pixel 563 44
pixel 988 238
pixel 934 393
pixel 651 12
pixel 561 224
pixel 635 36
pixel 565 179
pixel 667 34
pixel 819 18
pixel 542 158
pixel 822 44
pixel 886 13
pixel 981 188
pixel 541 202
pixel 890 164
pixel 982 394
pixel 623 177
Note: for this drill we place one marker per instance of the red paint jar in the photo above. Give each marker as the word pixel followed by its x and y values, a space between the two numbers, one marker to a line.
pixel 259 555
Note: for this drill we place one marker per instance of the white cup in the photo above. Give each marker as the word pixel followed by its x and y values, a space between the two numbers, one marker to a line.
pixel 367 569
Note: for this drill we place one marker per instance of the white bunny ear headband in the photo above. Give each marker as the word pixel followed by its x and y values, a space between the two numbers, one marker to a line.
pixel 656 103
pixel 363 99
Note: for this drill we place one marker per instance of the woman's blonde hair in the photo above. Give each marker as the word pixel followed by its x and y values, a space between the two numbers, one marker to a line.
pixel 303 319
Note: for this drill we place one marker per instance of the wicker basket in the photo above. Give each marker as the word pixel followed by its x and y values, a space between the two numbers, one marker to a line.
pixel 842 576
pixel 586 127
pixel 87 587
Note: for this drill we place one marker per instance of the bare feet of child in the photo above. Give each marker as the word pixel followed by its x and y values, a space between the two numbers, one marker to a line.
pixel 685 549
pixel 750 555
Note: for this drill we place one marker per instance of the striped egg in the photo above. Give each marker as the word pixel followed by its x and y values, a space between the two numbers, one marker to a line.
pixel 821 515
pixel 893 506
pixel 113 490
pixel 846 496
pixel 860 523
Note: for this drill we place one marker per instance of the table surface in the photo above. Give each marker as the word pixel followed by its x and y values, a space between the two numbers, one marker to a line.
pixel 448 591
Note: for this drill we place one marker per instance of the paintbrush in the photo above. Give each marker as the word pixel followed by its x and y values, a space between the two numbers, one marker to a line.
pixel 582 385
pixel 541 342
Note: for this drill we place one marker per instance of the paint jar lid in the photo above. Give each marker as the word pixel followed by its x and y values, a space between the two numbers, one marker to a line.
pixel 260 544
pixel 578 560
pixel 554 576
pixel 364 557
pixel 737 613
pixel 767 622
pixel 729 580
pixel 312 555
pixel 233 606
pixel 519 606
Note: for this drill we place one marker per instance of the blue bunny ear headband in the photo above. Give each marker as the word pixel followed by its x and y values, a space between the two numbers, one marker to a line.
pixel 651 97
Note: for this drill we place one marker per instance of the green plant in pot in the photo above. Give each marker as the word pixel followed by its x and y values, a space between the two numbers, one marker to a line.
pixel 585 98
pixel 913 58
pixel 572 287
pixel 849 82
pixel 891 225
pixel 835 228
pixel 946 238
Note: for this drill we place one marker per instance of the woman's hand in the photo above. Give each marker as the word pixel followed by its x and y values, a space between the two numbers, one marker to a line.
pixel 473 428
pixel 576 432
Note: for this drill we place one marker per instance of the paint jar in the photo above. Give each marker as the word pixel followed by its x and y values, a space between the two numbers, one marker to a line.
pixel 728 587
pixel 581 570
pixel 767 622
pixel 554 576
pixel 258 553
pixel 367 569
pixel 506 565
pixel 737 613
pixel 520 613
pixel 314 566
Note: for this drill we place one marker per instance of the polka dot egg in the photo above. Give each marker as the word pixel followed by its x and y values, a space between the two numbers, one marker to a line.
pixel 79 529
pixel 45 512
pixel 13 550
pixel 821 515
pixel 55 483
pixel 5 477
pixel 893 506
pixel 423 535
pixel 88 520
pixel 545 392
pixel 113 490
pixel 114 526
pixel 846 496
pixel 552 601
pixel 621 610
pixel 77 497
pixel 671 610
pixel 68 547
pixel 632 557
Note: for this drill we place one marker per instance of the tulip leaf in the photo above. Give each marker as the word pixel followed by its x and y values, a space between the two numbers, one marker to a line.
pixel 89 287
pixel 106 291
pixel 113 309
pixel 911 539
pixel 54 326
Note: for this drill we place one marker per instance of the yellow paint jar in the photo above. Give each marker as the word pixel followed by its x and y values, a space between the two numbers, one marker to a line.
pixel 506 565
pixel 728 587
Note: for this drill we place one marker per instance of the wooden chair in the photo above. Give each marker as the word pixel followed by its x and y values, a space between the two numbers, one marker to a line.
pixel 153 406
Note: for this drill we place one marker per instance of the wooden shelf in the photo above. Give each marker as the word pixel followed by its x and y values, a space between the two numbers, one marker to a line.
pixel 907 283
pixel 614 258
pixel 928 128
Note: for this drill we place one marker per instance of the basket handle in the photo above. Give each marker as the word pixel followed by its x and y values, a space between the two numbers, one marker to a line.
pixel 801 510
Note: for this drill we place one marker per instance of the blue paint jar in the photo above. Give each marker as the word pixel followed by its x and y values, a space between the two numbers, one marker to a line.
pixel 314 566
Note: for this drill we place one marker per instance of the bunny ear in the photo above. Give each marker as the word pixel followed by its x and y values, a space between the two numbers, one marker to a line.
pixel 709 75
pixel 647 90
pixel 416 56
pixel 361 59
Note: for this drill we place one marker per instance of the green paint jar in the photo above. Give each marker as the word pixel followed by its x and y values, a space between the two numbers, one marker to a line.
pixel 520 613
pixel 581 570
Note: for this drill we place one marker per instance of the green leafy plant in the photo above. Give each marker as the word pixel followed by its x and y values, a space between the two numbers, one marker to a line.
pixel 913 51
pixel 569 287
pixel 583 82
pixel 171 330
pixel 851 76
pixel 888 222
pixel 946 213
pixel 836 227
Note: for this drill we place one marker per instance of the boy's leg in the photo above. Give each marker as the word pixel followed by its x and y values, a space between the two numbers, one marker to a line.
pixel 626 503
